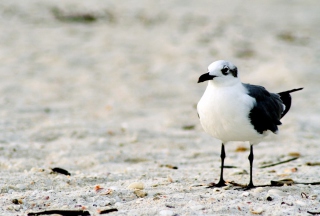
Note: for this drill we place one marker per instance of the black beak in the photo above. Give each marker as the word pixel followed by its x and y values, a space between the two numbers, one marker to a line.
pixel 205 77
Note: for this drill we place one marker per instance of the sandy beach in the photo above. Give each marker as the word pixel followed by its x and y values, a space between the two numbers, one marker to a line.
pixel 107 91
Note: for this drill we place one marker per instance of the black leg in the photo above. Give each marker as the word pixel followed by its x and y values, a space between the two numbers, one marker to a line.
pixel 250 185
pixel 221 182
pixel 251 157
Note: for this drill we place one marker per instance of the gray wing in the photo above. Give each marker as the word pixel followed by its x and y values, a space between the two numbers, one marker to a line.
pixel 267 112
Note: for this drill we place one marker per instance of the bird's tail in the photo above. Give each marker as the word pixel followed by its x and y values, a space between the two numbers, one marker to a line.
pixel 286 99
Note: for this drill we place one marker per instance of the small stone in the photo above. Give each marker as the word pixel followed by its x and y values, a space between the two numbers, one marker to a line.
pixel 300 203
pixel 169 205
pixel 241 149
pixel 294 154
pixel 257 190
pixel 140 193
pixel 10 207
pixel 276 192
pixel 114 188
pixel 245 194
pixel 34 169
pixel 216 189
pixel 239 172
pixel 314 196
pixel 17 207
pixel 15 201
pixel 103 203
pixel 257 211
pixel 197 207
pixel 227 187
pixel 21 186
pixel 118 204
pixel 166 213
pixel 136 185
pixel 169 179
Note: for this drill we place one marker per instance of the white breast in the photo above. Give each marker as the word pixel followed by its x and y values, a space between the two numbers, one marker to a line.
pixel 224 113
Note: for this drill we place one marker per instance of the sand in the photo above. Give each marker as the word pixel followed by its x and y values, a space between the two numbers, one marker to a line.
pixel 107 91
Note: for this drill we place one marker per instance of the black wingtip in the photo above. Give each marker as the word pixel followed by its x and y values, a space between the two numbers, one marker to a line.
pixel 298 89
pixel 290 91
pixel 286 99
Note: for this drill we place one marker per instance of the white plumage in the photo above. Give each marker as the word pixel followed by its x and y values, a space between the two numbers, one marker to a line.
pixel 232 111
pixel 224 113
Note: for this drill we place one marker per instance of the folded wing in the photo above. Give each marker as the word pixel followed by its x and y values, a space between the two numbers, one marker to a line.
pixel 267 111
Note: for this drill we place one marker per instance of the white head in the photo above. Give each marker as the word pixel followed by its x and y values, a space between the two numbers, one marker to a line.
pixel 221 73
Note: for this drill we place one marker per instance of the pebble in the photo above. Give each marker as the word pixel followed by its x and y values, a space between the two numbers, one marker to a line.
pixel 35 169
pixel 113 201
pixel 136 185
pixel 140 193
pixel 118 204
pixel 166 213
pixel 169 179
pixel 257 190
pixel 15 201
pixel 139 200
pixel 114 188
pixel 103 203
pixel 10 207
pixel 301 203
pixel 257 211
pixel 17 207
pixel 197 207
pixel 269 198
pixel 168 205
pixel 216 190
pixel 239 172
pixel 276 192
pixel 245 194
pixel 227 187
pixel 314 196
pixel 21 186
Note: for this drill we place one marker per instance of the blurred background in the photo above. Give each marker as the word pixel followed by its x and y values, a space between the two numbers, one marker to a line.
pixel 109 89
pixel 87 85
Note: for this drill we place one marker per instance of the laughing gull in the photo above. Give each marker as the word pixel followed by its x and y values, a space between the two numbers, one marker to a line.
pixel 230 110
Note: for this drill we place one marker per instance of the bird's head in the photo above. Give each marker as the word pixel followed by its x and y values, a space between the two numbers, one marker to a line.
pixel 221 73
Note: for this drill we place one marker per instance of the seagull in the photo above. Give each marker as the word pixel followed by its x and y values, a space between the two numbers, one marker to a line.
pixel 230 110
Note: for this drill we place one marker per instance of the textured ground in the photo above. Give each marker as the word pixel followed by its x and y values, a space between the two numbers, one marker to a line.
pixel 107 91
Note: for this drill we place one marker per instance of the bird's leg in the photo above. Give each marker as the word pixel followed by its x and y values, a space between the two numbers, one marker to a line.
pixel 250 185
pixel 251 157
pixel 221 182
pixel 222 156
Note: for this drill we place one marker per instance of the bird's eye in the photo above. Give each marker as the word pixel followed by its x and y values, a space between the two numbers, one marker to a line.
pixel 224 71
